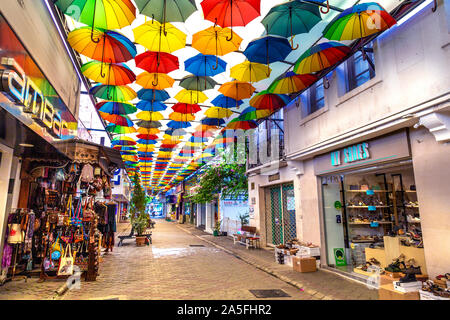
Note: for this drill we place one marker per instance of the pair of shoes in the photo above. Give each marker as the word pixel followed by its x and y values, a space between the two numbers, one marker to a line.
pixel 397 265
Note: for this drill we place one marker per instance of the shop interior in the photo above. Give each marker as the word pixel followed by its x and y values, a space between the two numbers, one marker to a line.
pixel 372 221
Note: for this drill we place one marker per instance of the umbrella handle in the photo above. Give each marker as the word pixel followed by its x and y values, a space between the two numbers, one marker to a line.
pixel 214 67
pixel 231 20
pixel 292 44
pixel 93 23
pixel 325 11
pixel 101 70
pixel 153 83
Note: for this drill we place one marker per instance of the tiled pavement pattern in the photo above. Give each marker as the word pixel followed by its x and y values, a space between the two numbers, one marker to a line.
pixel 168 269
pixel 320 284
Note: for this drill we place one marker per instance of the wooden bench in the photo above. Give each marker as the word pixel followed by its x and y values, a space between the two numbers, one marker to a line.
pixel 248 237
pixel 147 234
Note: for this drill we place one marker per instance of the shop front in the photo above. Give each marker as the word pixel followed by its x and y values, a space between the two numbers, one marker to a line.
pixel 371 213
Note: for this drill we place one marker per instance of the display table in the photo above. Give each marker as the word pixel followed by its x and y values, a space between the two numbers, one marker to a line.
pixel 387 292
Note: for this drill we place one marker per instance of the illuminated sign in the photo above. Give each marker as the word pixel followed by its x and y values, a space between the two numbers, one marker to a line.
pixel 21 90
pixel 351 154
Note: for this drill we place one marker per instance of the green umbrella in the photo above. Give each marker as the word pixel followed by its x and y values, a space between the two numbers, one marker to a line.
pixel 167 10
pixel 251 113
pixel 192 82
pixel 291 18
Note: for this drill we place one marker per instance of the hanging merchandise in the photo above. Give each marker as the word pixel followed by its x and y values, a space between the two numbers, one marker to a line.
pixel 87 174
pixel 66 263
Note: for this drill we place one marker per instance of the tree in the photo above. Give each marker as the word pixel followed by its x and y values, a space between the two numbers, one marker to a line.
pixel 139 217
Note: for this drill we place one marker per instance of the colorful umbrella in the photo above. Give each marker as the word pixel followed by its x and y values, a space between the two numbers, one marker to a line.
pixel 115 74
pixel 157 62
pixel 186 108
pixel 252 113
pixel 271 101
pixel 145 105
pixel 152 37
pixel 178 124
pixel 238 124
pixel 146 141
pixel 225 102
pixel 181 116
pixel 237 90
pixel 147 136
pixel 249 71
pixel 291 83
pixel 360 21
pixel 113 128
pixel 113 93
pixel 113 107
pixel 268 49
pixel 291 18
pixel 205 134
pixel 214 41
pixel 190 96
pixel 217 112
pixel 157 81
pixel 148 131
pixel 229 13
pixel 153 95
pixel 175 132
pixel 149 116
pixel 104 14
pixel 148 124
pixel 321 56
pixel 213 121
pixel 193 82
pixel 167 10
pixel 205 65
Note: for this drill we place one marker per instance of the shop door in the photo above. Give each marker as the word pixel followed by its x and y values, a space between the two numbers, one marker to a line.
pixel 280 215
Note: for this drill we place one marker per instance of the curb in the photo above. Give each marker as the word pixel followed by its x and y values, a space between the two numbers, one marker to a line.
pixel 262 268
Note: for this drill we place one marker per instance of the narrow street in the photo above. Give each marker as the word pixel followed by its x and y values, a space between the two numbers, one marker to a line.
pixel 178 265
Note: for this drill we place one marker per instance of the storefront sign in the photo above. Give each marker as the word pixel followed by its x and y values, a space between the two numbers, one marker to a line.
pixel 354 153
pixel 371 152
pixel 21 90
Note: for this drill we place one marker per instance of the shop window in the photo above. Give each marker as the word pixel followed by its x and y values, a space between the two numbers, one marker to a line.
pixel 313 99
pixel 360 68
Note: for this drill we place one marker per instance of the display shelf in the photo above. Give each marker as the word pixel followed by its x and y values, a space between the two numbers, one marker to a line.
pixel 362 241
pixel 364 191
pixel 368 223
pixel 362 207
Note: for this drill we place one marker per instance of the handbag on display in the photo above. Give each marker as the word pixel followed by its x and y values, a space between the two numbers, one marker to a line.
pixel 76 218
pixel 52 216
pixel 97 171
pixel 15 234
pixel 69 211
pixel 66 263
pixel 60 175
pixel 56 250
pixel 61 220
pixel 79 235
pixel 87 173
pixel 88 213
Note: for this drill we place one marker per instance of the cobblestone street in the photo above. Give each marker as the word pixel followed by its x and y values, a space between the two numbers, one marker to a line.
pixel 172 269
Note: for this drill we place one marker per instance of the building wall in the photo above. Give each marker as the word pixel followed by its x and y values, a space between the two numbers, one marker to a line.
pixel 34 26
pixel 432 174
pixel 409 59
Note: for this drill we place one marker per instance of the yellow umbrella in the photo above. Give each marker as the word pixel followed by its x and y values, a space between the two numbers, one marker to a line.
pixel 172 138
pixel 217 112
pixel 194 144
pixel 177 116
pixel 249 71
pixel 150 116
pixel 148 130
pixel 156 81
pixel 237 90
pixel 152 36
pixel 191 96
pixel 146 149
pixel 213 41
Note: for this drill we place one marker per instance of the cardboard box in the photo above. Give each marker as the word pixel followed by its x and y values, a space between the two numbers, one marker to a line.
pixel 408 286
pixel 425 295
pixel 304 264
pixel 387 292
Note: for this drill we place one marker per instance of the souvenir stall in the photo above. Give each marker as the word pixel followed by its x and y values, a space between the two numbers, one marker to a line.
pixel 67 217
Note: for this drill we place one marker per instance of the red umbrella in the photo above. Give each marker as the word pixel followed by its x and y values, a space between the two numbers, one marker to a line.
pixel 147 136
pixel 157 62
pixel 203 134
pixel 229 13
pixel 186 108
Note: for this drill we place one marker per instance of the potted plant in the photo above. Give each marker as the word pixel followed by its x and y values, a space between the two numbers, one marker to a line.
pixel 216 231
pixel 139 217
pixel 140 225
pixel 244 219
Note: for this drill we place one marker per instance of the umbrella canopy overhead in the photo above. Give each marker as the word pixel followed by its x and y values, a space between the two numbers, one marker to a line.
pixel 205 65
pixel 109 74
pixel 321 56
pixel 359 21
pixel 113 93
pixel 153 95
pixel 190 96
pixel 193 82
pixel 145 105
pixel 157 62
pixel 151 35
pixel 237 90
pixel 214 41
pixel 156 81
pixel 250 71
pixel 291 83
pixel 113 107
pixel 167 10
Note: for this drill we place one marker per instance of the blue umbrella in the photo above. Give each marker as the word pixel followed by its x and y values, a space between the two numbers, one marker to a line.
pixel 145 105
pixel 145 154
pixel 179 132
pixel 165 149
pixel 268 49
pixel 225 102
pixel 145 141
pixel 213 121
pixel 203 65
pixel 178 124
pixel 198 139
pixel 153 95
